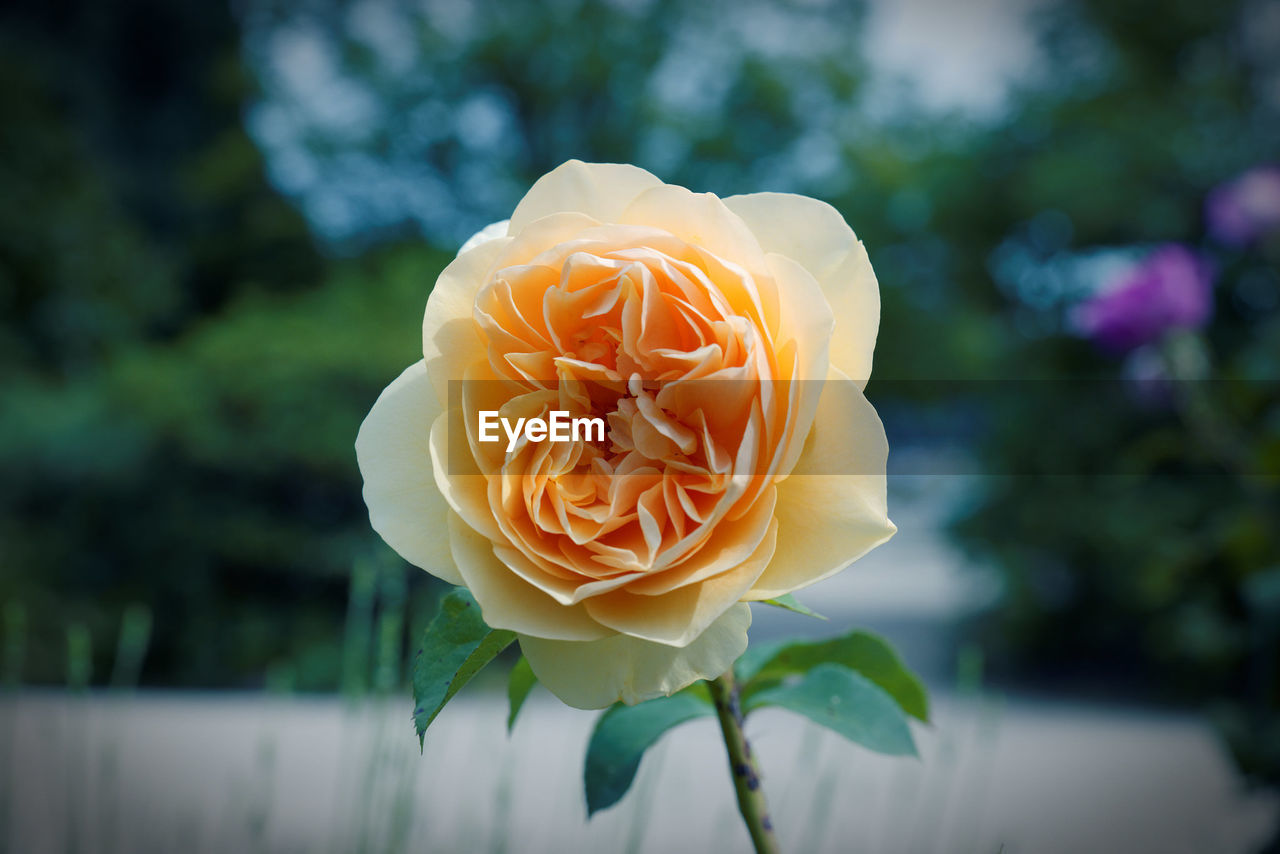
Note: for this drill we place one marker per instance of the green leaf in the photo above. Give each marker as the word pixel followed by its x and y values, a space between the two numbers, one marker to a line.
pixel 455 646
pixel 791 603
pixel 624 733
pixel 764 665
pixel 847 703
pixel 519 684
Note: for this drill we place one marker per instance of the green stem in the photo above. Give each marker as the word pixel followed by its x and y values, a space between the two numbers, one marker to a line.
pixel 1186 360
pixel 742 765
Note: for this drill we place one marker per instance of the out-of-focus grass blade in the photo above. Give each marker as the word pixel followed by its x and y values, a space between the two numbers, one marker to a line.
pixel 131 648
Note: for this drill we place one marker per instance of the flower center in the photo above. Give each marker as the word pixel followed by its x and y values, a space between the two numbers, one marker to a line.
pixel 671 354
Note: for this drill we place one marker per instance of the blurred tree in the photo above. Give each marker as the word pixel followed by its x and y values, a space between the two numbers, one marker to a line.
pixel 77 278
pixel 1137 555
pixel 124 117
pixel 135 210
pixel 398 117
pixel 211 477
pixel 1113 161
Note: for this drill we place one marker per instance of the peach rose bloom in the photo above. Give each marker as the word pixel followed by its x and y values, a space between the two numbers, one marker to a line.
pixel 726 343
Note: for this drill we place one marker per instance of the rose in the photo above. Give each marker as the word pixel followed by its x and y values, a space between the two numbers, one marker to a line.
pixel 727 342
pixel 1170 289
pixel 1246 208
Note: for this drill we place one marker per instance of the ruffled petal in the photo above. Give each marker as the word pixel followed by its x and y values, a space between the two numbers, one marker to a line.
pixel 459 481
pixel 703 221
pixel 622 668
pixel 679 617
pixel 506 600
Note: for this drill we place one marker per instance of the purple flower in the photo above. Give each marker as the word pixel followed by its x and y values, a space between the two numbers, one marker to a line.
pixel 1170 289
pixel 1246 208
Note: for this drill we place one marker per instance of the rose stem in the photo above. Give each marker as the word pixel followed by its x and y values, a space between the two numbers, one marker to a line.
pixel 742 765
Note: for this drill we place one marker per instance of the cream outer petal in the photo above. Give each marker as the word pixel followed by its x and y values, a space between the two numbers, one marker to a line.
pixel 492 231
pixel 450 340
pixel 393 452
pixel 833 508
pixel 597 674
pixel 815 234
pixel 806 318
pixel 701 219
pixel 599 190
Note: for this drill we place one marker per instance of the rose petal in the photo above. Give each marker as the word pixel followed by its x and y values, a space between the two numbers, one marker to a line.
pixel 600 190
pixel 564 591
pixel 832 509
pixel 506 600
pixel 492 231
pixel 703 221
pixel 547 238
pixel 805 318
pixel 728 544
pixel 621 668
pixel 393 452
pixel 458 479
pixel 814 234
pixel 679 617
pixel 450 339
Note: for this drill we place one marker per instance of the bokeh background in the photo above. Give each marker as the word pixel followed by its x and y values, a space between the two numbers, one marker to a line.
pixel 219 223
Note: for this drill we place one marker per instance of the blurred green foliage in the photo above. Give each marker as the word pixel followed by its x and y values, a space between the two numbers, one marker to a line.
pixel 1131 543
pixel 183 371
pixel 211 476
